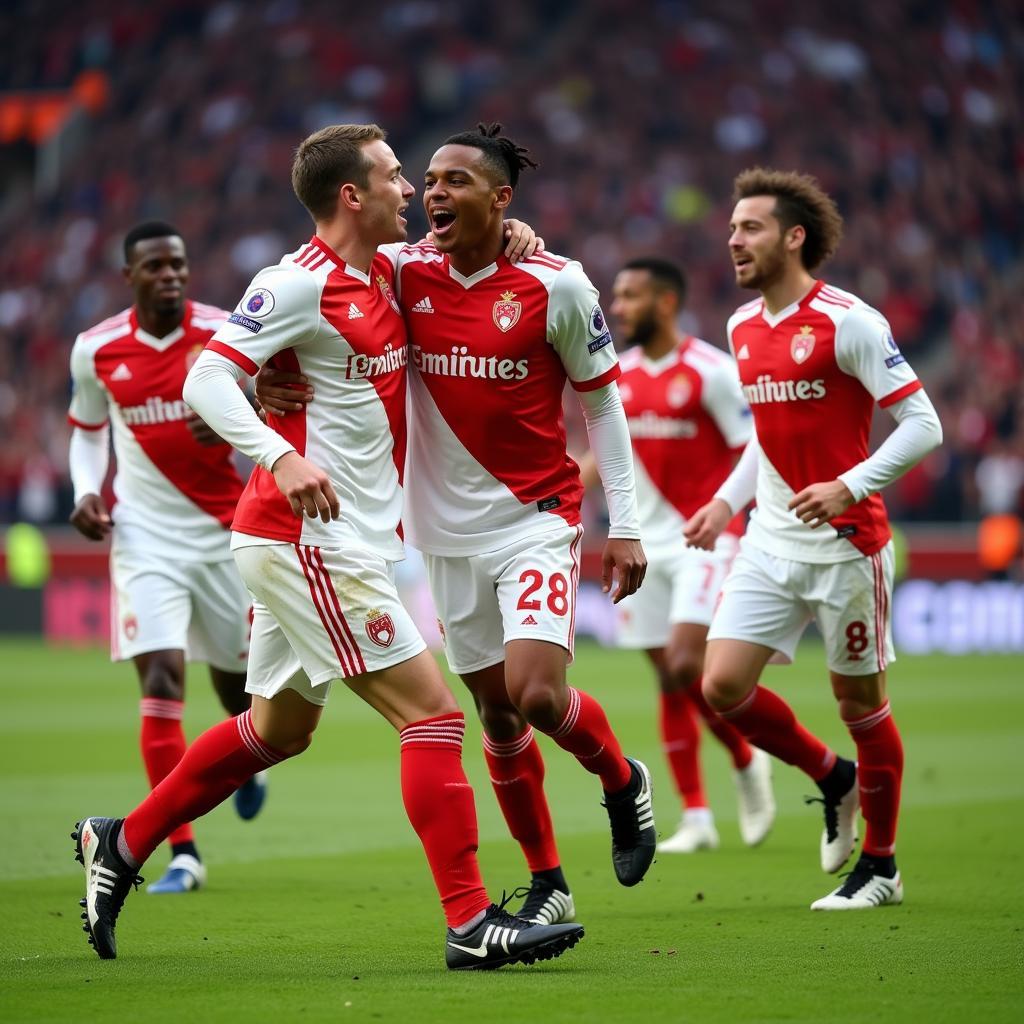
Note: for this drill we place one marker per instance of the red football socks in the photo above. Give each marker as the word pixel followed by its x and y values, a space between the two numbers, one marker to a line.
pixel 212 768
pixel 586 734
pixel 741 752
pixel 768 722
pixel 879 776
pixel 517 774
pixel 680 738
pixel 162 741
pixel 439 802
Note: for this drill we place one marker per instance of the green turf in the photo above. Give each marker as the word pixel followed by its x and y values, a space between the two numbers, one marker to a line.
pixel 323 909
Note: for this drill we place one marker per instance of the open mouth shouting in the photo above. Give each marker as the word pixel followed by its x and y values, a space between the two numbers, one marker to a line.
pixel 442 218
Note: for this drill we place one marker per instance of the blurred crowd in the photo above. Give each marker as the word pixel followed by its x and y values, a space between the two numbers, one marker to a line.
pixel 640 115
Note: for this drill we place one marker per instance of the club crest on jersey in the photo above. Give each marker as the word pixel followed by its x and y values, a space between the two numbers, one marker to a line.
pixel 385 290
pixel 259 302
pixel 192 355
pixel 802 345
pixel 507 312
pixel 380 628
pixel 130 626
pixel 444 636
pixel 678 392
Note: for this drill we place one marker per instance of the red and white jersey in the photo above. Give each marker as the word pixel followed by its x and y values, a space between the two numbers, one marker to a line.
pixel 313 314
pixel 490 356
pixel 812 374
pixel 173 495
pixel 687 419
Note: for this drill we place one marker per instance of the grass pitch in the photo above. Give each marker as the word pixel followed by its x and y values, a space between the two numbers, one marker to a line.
pixel 322 909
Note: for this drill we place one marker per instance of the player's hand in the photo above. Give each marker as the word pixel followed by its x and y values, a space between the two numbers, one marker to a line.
pixel 522 241
pixel 279 392
pixel 704 526
pixel 203 432
pixel 91 518
pixel 627 559
pixel 306 486
pixel 817 504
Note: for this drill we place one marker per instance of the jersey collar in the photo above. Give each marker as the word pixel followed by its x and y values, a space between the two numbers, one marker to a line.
pixel 472 279
pixel 164 343
pixel 338 261
pixel 773 320
pixel 656 367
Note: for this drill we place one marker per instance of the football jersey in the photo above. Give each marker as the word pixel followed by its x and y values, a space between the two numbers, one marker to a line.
pixel 490 355
pixel 313 314
pixel 812 374
pixel 687 417
pixel 172 494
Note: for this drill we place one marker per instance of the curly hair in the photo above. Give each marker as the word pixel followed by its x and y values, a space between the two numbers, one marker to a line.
pixel 799 199
pixel 502 155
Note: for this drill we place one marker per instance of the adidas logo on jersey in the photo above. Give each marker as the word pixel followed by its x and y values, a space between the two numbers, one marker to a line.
pixel 768 390
pixel 744 353
pixel 354 312
pixel 529 621
pixel 121 373
pixel 423 306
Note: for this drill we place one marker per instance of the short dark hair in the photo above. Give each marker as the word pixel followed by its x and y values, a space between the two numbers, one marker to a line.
pixel 799 199
pixel 664 273
pixel 148 229
pixel 328 159
pixel 504 158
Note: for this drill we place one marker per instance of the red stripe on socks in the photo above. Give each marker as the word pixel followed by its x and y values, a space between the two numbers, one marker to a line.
pixel 879 776
pixel 586 734
pixel 162 742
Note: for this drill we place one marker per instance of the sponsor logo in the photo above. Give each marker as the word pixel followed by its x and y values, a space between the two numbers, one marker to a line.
pixel 894 361
pixel 423 306
pixel 529 621
pixel 678 392
pixel 547 504
pixel 391 360
pixel 649 426
pixel 354 312
pixel 380 628
pixel 121 373
pixel 768 390
pixel 155 410
pixel 130 626
pixel 506 312
pixel 890 346
pixel 444 636
pixel 258 302
pixel 480 950
pixel 385 290
pixel 802 345
pixel 247 322
pixel 846 531
pixel 599 343
pixel 460 363
pixel 744 353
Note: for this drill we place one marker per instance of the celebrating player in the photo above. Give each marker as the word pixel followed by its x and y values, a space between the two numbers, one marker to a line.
pixel 315 537
pixel 687 419
pixel 177 592
pixel 813 361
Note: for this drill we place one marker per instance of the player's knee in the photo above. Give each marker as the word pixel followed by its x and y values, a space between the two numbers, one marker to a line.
pixel 682 671
pixel 163 682
pixel 502 722
pixel 542 705
pixel 721 692
pixel 294 744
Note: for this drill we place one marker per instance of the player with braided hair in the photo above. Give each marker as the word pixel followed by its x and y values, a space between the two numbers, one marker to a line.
pixel 494 500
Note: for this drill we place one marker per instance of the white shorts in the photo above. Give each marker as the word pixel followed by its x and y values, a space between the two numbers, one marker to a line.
pixel 679 587
pixel 523 591
pixel 159 604
pixel 769 601
pixel 321 614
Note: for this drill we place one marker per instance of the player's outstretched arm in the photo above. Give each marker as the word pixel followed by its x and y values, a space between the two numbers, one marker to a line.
pixel 625 559
pixel 704 526
pixel 306 486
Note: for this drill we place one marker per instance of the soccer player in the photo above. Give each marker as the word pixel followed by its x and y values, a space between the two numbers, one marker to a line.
pixel 813 361
pixel 315 536
pixel 687 421
pixel 495 500
pixel 177 593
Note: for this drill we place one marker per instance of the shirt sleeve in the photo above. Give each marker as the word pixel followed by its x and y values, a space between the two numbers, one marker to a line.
pixel 722 398
pixel 280 309
pixel 89 405
pixel 88 460
pixel 866 349
pixel 578 331
pixel 739 488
